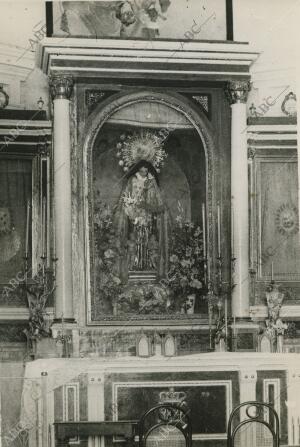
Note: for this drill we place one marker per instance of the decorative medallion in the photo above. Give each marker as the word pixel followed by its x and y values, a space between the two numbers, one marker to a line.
pixel 171 414
pixel 138 146
pixel 289 105
pixel 5 221
pixel 251 152
pixel 287 219
pixel 4 98
pixel 10 241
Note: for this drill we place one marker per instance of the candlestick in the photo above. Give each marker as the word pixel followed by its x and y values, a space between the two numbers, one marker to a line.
pixel 204 230
pixel 272 271
pixel 232 233
pixel 219 232
pixel 226 320
pixel 27 229
pixel 208 273
pixel 44 227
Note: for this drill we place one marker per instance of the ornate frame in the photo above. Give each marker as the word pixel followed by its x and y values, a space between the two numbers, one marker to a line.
pixel 93 125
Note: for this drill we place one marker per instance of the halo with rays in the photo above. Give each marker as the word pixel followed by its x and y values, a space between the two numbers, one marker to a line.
pixel 144 145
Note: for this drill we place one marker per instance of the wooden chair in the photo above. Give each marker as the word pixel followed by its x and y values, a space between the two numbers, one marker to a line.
pixel 257 426
pixel 165 425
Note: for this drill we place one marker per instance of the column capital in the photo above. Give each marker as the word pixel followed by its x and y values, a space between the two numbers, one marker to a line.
pixel 61 87
pixel 237 91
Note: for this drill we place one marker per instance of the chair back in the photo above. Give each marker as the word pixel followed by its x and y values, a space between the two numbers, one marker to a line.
pixel 165 425
pixel 257 426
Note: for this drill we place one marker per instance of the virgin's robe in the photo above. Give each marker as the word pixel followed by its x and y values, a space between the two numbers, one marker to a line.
pixel 148 206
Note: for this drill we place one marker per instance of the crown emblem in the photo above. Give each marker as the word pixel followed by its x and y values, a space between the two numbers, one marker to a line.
pixel 171 396
pixel 144 145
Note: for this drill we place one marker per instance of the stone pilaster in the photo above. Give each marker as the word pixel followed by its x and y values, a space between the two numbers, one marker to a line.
pixel 293 406
pixel 96 405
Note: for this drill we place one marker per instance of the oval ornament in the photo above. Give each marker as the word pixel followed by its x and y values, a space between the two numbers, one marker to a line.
pixel 287 221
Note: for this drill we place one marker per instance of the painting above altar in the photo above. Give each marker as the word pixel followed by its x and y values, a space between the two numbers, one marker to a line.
pixel 148 193
pixel 142 19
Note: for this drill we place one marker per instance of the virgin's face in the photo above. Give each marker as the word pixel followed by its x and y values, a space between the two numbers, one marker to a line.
pixel 143 171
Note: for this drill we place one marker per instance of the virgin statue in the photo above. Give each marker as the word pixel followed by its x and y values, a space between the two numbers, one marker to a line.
pixel 141 215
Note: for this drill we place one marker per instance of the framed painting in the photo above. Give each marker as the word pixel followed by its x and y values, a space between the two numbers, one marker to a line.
pixel 141 19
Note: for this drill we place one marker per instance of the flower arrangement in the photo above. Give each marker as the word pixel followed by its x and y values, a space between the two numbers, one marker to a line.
pixel 185 275
pixel 108 253
pixel 186 263
pixel 144 299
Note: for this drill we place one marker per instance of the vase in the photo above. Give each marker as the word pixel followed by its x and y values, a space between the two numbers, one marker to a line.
pixel 190 303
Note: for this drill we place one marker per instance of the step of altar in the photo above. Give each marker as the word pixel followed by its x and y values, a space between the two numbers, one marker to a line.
pixel 138 276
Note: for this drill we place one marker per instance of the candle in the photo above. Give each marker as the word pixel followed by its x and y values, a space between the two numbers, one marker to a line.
pixel 234 328
pixel 204 230
pixel 226 319
pixel 44 227
pixel 208 273
pixel 27 229
pixel 272 271
pixel 219 232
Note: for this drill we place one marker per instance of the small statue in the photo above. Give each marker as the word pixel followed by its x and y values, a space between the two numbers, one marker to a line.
pixel 274 301
pixel 153 247
pixel 270 330
pixel 220 333
pixel 131 252
pixel 280 327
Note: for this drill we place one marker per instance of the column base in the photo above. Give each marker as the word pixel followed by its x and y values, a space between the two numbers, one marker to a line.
pixel 64 321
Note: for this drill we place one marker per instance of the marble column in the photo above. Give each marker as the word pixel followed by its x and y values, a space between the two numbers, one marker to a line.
pixel 298 131
pixel 238 92
pixel 61 89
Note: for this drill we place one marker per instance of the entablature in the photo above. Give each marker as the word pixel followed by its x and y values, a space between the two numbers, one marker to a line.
pixel 112 58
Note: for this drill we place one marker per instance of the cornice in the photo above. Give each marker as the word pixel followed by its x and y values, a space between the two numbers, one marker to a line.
pixel 110 57
pixel 215 361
